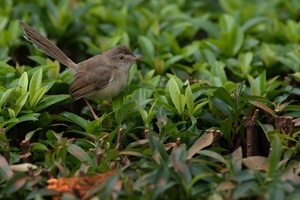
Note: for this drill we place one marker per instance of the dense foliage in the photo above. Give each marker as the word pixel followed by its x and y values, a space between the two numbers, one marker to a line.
pixel 211 112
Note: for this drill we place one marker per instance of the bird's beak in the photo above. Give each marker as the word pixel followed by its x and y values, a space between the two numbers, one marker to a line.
pixel 137 57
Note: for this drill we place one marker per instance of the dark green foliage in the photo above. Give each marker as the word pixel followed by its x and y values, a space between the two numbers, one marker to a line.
pixel 216 73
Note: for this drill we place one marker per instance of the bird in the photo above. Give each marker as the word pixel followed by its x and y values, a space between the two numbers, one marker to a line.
pixel 102 76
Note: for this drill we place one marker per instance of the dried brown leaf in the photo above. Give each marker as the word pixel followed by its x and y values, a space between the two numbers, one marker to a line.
pixel 201 143
pixel 257 163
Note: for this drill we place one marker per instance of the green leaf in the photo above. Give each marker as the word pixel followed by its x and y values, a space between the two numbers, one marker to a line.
pixel 49 101
pixel 38 96
pixel 231 35
pixel 29 135
pixel 143 113
pixel 38 59
pixel 223 95
pixel 222 106
pixel 35 194
pixel 11 113
pixel 275 156
pixel 22 118
pixel 177 98
pixel 34 86
pixel 199 106
pixel 226 127
pixel 276 190
pixel 147 47
pixel 23 84
pixel 218 72
pixel 80 154
pixel 259 85
pixel 266 128
pixel 158 150
pixel 5 171
pixel 189 99
pixel 5 97
pixel 16 183
pixel 212 154
pixel 75 119
pixel 20 103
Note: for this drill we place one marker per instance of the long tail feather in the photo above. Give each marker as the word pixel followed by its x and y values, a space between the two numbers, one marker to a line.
pixel 47 47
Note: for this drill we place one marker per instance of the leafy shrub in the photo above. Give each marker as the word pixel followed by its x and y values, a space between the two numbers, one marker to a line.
pixel 211 112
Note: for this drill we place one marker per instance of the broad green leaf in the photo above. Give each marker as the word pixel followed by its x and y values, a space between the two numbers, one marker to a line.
pixel 175 47
pixel 231 35
pixel 226 127
pixel 147 47
pixel 212 154
pixel 253 21
pixel 235 159
pixel 198 108
pixel 189 99
pixel 151 114
pixel 29 135
pixel 218 71
pixel 34 86
pixel 222 106
pixel 37 96
pixel 38 59
pixel 10 121
pixel 276 191
pixel 177 98
pixel 275 156
pixel 21 118
pixel 266 128
pixel 35 194
pixel 158 150
pixel 75 119
pixel 223 95
pixel 238 38
pixel 80 154
pixel 20 103
pixel 16 183
pixel 23 84
pixel 259 85
pixel 49 101
pixel 245 62
pixel 5 171
pixel 209 56
pixel 5 96
pixel 292 29
pixel 11 113
pixel 178 158
pixel 143 113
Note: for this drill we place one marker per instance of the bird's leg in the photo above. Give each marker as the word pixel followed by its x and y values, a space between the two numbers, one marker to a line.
pixel 90 107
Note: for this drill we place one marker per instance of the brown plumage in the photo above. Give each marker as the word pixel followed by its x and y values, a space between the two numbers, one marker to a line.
pixel 100 77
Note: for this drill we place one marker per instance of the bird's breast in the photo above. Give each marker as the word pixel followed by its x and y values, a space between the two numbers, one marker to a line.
pixel 113 88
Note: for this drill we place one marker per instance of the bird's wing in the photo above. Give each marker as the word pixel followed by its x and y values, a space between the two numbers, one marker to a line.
pixel 88 82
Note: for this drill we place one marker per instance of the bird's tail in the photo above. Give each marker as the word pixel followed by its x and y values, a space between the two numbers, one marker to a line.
pixel 47 47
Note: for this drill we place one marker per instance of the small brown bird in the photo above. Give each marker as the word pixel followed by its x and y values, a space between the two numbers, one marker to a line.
pixel 101 77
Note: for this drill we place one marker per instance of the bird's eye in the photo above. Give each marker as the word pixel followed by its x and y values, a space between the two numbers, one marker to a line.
pixel 121 57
